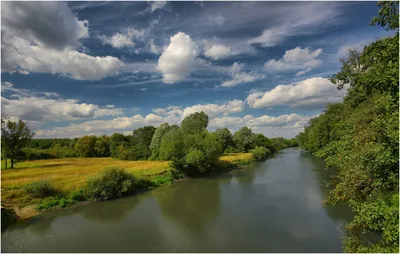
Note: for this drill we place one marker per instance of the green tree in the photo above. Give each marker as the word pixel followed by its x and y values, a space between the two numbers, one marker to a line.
pixel 361 137
pixel 195 123
pixel 102 146
pixel 244 139
pixel 85 146
pixel 14 136
pixel 140 142
pixel 116 141
pixel 224 136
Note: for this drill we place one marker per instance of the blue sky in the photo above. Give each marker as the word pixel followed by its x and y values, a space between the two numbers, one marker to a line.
pixel 102 67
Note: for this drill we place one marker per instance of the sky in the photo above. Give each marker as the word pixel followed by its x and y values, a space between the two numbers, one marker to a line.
pixel 90 68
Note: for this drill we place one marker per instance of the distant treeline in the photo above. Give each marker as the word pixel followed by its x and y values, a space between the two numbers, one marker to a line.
pixel 186 145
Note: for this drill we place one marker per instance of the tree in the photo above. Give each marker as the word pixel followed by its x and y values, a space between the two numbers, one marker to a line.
pixel 244 139
pixel 388 15
pixel 117 140
pixel 195 123
pixel 224 136
pixel 85 146
pixel 14 136
pixel 157 137
pixel 140 142
pixel 102 146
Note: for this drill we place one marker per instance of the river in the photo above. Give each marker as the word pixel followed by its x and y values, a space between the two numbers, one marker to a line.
pixel 273 206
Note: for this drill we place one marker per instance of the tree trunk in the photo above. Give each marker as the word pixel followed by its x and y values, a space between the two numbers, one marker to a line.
pixel 12 161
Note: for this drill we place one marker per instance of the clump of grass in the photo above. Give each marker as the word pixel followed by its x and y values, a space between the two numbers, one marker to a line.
pixel 40 189
pixel 113 182
pixel 60 201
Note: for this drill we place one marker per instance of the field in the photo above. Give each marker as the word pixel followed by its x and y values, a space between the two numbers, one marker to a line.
pixel 70 174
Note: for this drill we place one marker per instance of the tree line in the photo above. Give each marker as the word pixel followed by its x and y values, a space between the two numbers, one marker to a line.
pixel 190 146
pixel 361 137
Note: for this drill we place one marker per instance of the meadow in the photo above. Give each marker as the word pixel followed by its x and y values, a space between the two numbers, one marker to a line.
pixel 70 174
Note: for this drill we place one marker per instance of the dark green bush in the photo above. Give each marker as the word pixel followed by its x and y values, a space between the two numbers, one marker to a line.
pixel 112 183
pixel 40 189
pixel 260 153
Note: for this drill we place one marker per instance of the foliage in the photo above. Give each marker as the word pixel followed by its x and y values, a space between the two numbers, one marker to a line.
pixel 14 136
pixel 157 138
pixel 50 153
pixel 60 201
pixel 361 137
pixel 195 123
pixel 260 153
pixel 102 146
pixel 113 182
pixel 244 139
pixel 85 146
pixel 224 136
pixel 116 140
pixel 40 189
pixel 140 141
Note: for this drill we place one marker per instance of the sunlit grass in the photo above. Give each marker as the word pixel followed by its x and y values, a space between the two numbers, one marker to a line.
pixel 70 174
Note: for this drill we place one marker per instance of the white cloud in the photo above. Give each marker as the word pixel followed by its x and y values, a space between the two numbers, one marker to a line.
pixel 43 106
pixel 216 20
pixel 213 110
pixel 48 44
pixel 216 51
pixel 178 59
pixel 125 38
pixel 240 77
pixel 310 93
pixel 303 60
pixel 155 5
pixel 305 18
pixel 153 47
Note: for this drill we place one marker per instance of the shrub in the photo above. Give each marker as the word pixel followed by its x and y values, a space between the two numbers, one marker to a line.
pixel 260 153
pixel 112 183
pixel 40 189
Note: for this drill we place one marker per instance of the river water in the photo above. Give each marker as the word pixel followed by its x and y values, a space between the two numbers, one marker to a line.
pixel 273 206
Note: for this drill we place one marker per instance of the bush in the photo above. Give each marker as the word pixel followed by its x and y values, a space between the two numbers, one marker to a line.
pixel 112 183
pixel 260 153
pixel 40 189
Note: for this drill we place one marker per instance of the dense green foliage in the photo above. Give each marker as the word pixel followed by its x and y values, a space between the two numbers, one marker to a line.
pixel 112 183
pixel 260 153
pixel 361 137
pixel 40 189
pixel 191 147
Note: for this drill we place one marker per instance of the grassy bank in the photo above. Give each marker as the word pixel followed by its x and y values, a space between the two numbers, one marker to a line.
pixel 70 175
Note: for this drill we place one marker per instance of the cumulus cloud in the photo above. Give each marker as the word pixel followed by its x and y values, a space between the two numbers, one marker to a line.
pixel 178 59
pixel 43 106
pixel 216 51
pixel 212 109
pixel 272 126
pixel 300 59
pixel 311 93
pixel 49 44
pixel 125 38
pixel 156 5
pixel 240 77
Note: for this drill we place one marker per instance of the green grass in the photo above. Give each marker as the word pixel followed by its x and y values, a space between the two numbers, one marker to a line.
pixel 69 175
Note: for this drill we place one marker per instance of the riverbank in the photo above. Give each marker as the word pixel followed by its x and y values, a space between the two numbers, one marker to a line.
pixel 69 176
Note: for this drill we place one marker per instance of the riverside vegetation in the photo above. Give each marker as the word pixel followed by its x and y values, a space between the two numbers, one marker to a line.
pixel 361 137
pixel 52 173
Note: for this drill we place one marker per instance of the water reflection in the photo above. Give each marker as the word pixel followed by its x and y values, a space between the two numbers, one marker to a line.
pixel 104 212
pixel 192 203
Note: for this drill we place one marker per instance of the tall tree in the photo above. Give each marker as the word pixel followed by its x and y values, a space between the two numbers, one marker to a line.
pixel 195 123
pixel 224 136
pixel 14 136
pixel 85 146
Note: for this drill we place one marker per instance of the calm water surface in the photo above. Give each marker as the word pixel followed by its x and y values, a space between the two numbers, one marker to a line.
pixel 274 206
